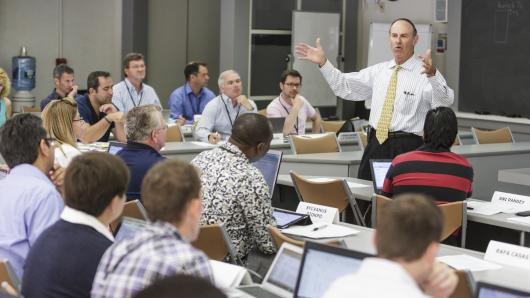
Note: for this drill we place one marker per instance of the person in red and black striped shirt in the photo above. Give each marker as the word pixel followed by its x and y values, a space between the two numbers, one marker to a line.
pixel 433 169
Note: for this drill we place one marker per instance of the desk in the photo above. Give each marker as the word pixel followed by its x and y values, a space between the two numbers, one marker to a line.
pixel 516 176
pixel 506 276
pixel 487 160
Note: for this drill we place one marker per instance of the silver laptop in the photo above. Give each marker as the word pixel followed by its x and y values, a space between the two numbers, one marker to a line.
pixel 281 277
pixel 269 166
pixel 379 168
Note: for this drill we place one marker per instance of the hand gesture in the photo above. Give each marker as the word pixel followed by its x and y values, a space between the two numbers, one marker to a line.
pixel 115 117
pixel 298 103
pixel 314 54
pixel 428 67
pixel 108 108
pixel 73 92
pixel 243 100
pixel 181 120
pixel 56 175
pixel 441 282
pixel 214 138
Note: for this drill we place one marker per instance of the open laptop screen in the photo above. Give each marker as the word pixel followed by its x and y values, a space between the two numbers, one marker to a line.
pixel 322 265
pixel 269 166
pixel 277 124
pixel 115 147
pixel 285 270
pixel 379 168
pixel 128 227
pixel 485 290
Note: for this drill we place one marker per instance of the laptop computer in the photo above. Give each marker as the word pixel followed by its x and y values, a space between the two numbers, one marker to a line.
pixel 281 276
pixel 379 168
pixel 486 290
pixel 277 124
pixel 115 147
pixel 269 166
pixel 322 265
pixel 128 227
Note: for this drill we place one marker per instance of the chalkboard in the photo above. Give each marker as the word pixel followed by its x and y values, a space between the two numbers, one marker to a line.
pixel 494 57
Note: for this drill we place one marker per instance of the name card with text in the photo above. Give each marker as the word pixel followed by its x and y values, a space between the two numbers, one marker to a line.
pixel 513 202
pixel 508 254
pixel 319 213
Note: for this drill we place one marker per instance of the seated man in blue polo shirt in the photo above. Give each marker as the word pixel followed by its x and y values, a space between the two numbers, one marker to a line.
pixel 96 109
pixel 146 130
pixel 189 100
pixel 64 259
pixel 64 80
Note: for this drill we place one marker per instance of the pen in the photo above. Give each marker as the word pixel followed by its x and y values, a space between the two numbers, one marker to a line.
pixel 469 208
pixel 318 228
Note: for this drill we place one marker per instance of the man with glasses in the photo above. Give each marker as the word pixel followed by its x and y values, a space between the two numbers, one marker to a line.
pixel 294 107
pixel 30 200
pixel 146 130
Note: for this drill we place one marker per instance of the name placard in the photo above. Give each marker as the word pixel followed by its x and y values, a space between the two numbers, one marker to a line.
pixel 319 213
pixel 513 202
pixel 508 254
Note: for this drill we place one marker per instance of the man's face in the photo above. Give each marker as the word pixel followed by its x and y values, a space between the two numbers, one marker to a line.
pixel 202 76
pixel 103 94
pixel 291 86
pixel 65 83
pixel 136 70
pixel 161 132
pixel 402 41
pixel 232 85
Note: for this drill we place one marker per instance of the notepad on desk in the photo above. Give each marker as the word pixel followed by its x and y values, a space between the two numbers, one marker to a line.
pixel 228 275
pixel 320 231
pixel 465 262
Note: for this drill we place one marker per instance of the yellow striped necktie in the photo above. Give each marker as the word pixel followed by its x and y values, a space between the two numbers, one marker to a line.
pixel 388 107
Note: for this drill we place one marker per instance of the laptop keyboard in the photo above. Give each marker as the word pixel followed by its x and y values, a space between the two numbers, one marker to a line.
pixel 258 292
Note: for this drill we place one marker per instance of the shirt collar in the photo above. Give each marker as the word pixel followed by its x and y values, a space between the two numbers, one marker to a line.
pixel 130 86
pixel 163 227
pixel 29 170
pixel 234 149
pixel 79 217
pixel 409 65
pixel 188 89
pixel 283 102
pixel 136 145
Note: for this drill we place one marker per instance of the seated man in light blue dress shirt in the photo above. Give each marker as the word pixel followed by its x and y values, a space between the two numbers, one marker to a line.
pixel 30 201
pixel 132 91
pixel 221 112
pixel 190 99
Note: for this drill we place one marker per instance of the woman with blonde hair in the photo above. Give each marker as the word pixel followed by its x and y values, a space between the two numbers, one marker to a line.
pixel 61 119
pixel 5 103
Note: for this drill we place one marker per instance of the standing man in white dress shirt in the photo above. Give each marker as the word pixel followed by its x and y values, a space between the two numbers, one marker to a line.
pixel 402 90
pixel 222 111
pixel 132 91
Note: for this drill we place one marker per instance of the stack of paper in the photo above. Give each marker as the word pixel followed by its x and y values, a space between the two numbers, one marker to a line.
pixel 229 276
pixel 465 262
pixel 320 230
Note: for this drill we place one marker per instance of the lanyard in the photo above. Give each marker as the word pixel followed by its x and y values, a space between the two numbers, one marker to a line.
pixel 285 108
pixel 197 106
pixel 131 97
pixel 228 112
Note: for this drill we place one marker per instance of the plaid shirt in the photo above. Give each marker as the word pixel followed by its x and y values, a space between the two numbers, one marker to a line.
pixel 156 252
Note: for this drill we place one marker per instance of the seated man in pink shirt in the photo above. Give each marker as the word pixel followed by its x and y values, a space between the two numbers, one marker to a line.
pixel 294 107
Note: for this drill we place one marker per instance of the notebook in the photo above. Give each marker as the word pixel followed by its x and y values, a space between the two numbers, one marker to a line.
pixel 323 264
pixel 115 147
pixel 281 277
pixel 486 290
pixel 379 168
pixel 269 166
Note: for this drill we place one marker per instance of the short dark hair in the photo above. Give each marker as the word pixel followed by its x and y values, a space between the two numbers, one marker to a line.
pixel 414 31
pixel 440 128
pixel 292 73
pixel 93 79
pixel 167 189
pixel 250 129
pixel 92 180
pixel 131 57
pixel 407 226
pixel 193 69
pixel 20 137
pixel 184 285
pixel 60 69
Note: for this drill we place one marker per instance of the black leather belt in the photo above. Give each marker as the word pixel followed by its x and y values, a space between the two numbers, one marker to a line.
pixel 393 134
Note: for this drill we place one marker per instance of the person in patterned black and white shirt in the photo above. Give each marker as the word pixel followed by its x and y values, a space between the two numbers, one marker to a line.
pixel 235 192
pixel 420 87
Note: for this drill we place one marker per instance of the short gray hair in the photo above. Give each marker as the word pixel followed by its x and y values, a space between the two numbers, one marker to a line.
pixel 221 80
pixel 141 121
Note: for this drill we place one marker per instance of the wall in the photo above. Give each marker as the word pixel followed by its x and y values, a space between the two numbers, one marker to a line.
pixel 87 33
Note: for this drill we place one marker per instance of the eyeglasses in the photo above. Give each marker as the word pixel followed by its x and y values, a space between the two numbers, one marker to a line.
pixel 297 85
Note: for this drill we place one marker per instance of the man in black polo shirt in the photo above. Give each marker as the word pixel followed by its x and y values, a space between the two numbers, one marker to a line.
pixel 96 109
pixel 146 132
pixel 64 80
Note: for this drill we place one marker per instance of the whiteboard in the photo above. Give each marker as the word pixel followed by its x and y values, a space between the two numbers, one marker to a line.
pixel 307 26
pixel 379 44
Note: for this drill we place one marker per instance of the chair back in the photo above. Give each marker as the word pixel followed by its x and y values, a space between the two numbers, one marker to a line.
pixel 27 109
pixel 133 209
pixel 322 143
pixel 279 238
pixel 455 217
pixel 174 134
pixel 378 202
pixel 8 275
pixel 457 141
pixel 362 139
pixel 332 126
pixel 330 193
pixel 463 287
pixel 501 135
pixel 214 241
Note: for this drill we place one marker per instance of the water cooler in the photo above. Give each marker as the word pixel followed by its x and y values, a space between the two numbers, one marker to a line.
pixel 23 80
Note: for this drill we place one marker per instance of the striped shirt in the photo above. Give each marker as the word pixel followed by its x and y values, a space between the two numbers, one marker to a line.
pixel 156 252
pixel 441 174
pixel 125 97
pixel 416 93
